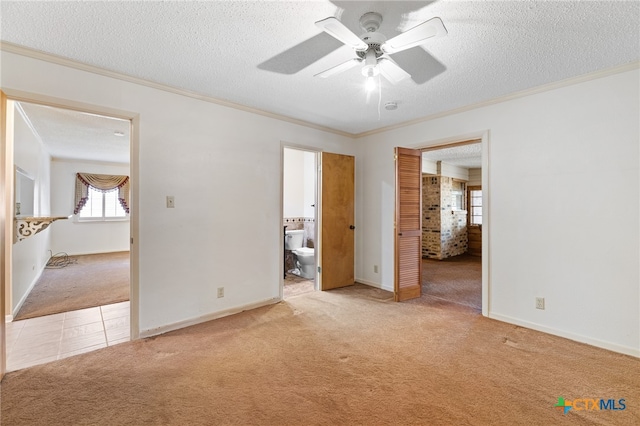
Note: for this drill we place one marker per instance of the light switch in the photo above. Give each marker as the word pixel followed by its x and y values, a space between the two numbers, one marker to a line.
pixel 171 201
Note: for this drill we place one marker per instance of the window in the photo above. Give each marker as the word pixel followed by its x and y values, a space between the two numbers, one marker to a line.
pixel 102 205
pixel 475 206
pixel 100 197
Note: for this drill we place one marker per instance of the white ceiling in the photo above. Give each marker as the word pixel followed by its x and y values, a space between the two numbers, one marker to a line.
pixel 263 54
pixel 467 156
pixel 73 135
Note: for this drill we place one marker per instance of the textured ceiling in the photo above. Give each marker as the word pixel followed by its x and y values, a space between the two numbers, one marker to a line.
pixel 264 54
pixel 467 156
pixel 75 135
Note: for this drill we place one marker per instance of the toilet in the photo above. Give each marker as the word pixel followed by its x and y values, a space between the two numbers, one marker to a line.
pixel 305 256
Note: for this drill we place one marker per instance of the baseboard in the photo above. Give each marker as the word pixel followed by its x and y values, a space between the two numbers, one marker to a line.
pixel 374 284
pixel 635 352
pixel 204 318
pixel 16 308
pixel 97 252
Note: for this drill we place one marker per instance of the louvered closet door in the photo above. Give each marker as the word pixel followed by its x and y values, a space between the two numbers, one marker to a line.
pixel 408 241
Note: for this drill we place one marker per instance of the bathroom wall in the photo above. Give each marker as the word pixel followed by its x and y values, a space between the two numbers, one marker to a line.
pixel 299 196
pixel 300 192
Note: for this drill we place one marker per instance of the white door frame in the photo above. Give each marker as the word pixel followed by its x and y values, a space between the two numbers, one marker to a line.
pixel 134 147
pixel 483 137
pixel 318 224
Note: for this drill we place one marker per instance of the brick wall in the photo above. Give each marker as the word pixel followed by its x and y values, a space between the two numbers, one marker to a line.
pixel 444 231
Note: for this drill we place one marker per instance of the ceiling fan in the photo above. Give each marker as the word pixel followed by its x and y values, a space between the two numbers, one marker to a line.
pixel 372 48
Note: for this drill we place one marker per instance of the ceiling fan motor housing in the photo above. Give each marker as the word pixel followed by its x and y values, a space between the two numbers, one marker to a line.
pixel 370 21
pixel 374 40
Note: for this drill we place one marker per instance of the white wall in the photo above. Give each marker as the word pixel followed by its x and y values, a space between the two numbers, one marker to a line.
pixel 310 174
pixel 30 255
pixel 222 165
pixel 293 183
pixel 475 177
pixel 429 167
pixel 75 237
pixel 299 183
pixel 563 196
pixel 456 172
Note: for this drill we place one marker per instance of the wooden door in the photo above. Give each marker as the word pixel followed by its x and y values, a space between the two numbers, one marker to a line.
pixel 408 228
pixel 3 222
pixel 337 241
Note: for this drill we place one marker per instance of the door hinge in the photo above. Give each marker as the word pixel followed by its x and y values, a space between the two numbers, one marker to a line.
pixel 131 240
pixel 319 269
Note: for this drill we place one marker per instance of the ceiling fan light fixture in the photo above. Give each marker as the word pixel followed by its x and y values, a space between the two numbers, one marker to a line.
pixel 370 84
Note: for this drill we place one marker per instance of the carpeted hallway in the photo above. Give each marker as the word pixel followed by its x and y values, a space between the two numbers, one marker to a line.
pixel 343 357
pixel 455 280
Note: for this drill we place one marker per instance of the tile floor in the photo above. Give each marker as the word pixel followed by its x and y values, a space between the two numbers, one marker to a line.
pixel 44 339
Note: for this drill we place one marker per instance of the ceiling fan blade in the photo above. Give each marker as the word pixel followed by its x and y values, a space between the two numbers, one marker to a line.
pixel 392 71
pixel 339 68
pixel 302 55
pixel 337 29
pixel 415 36
pixel 419 63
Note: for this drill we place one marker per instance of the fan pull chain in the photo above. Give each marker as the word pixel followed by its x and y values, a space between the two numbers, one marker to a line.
pixel 379 96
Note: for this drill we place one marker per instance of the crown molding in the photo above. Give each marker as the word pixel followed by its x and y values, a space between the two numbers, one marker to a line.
pixel 30 125
pixel 59 60
pixel 528 92
pixel 94 162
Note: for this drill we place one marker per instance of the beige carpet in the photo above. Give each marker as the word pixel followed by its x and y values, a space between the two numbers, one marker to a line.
pixel 345 357
pixel 94 280
pixel 456 279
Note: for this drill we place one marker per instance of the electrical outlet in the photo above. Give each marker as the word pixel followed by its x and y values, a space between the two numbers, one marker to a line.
pixel 171 201
pixel 220 292
pixel 539 302
pixel 375 269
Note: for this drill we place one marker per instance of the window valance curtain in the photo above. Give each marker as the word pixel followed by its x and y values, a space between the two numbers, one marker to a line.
pixel 103 183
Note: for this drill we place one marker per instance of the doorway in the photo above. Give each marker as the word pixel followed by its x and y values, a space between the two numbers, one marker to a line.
pixel 452 223
pixel 299 221
pixel 27 112
pixel 329 206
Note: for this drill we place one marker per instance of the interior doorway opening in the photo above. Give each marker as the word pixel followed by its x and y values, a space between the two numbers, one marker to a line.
pixel 299 221
pixel 50 145
pixel 452 224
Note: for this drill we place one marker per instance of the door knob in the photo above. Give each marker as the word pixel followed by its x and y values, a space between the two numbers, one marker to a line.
pixel 352 227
